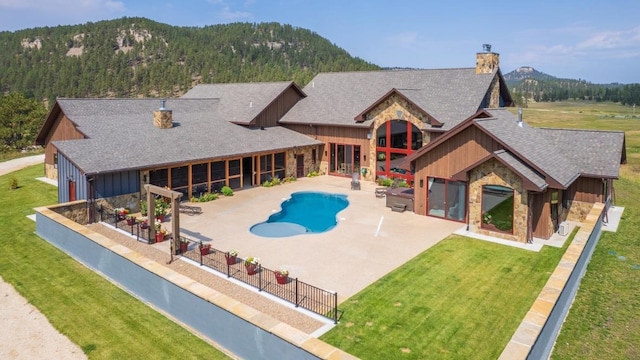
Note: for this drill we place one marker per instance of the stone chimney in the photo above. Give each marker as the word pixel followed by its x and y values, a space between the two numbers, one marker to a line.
pixel 163 118
pixel 487 61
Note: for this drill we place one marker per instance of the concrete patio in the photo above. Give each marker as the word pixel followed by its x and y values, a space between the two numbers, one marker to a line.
pixel 368 242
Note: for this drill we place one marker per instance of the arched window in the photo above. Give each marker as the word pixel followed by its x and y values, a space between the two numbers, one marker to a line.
pixel 395 140
pixel 497 208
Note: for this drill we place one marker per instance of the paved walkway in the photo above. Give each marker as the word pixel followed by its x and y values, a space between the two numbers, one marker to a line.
pixel 21 163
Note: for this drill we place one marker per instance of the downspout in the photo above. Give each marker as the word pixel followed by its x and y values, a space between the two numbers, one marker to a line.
pixel 529 218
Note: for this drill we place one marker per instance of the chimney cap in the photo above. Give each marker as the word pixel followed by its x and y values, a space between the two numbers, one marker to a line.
pixel 163 103
pixel 486 47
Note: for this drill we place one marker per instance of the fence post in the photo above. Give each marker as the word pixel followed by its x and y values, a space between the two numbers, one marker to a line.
pixel 259 277
pixel 297 300
pixel 335 308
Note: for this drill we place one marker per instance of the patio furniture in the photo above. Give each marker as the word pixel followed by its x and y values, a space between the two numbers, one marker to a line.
pixel 355 181
pixel 381 192
pixel 398 197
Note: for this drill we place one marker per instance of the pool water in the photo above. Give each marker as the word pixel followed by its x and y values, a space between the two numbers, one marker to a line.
pixel 305 212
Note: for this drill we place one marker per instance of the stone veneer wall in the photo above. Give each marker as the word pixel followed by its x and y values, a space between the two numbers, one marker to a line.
pixel 494 173
pixel 386 111
pixel 578 211
pixel 75 211
pixel 50 171
pixel 292 163
pixel 130 201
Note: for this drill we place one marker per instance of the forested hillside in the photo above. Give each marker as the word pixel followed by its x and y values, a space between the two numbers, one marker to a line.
pixel 526 83
pixel 137 57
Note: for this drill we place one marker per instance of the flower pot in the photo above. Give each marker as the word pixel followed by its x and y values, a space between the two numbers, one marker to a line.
pixel 230 259
pixel 159 237
pixel 160 217
pixel 144 225
pixel 281 279
pixel 204 250
pixel 184 247
pixel 131 221
pixel 252 269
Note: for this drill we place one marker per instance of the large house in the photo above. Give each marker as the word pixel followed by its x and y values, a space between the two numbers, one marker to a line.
pixel 444 131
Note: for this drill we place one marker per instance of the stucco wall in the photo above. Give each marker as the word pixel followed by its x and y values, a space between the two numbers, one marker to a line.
pixel 494 173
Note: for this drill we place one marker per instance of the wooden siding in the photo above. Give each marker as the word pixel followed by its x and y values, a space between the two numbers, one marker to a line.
pixel 336 135
pixel 63 129
pixel 589 190
pixel 450 157
pixel 542 227
pixel 283 103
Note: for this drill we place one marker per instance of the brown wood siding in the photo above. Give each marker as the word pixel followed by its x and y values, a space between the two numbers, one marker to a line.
pixel 279 107
pixel 542 215
pixel 589 190
pixel 450 157
pixel 337 135
pixel 63 129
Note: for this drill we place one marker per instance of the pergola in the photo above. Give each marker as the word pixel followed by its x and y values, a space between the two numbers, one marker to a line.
pixel 175 217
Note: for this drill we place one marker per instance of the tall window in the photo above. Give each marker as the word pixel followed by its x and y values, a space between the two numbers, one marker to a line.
pixel 497 208
pixel 344 159
pixel 395 140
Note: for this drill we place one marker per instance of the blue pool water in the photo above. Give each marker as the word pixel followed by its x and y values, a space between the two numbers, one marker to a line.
pixel 305 212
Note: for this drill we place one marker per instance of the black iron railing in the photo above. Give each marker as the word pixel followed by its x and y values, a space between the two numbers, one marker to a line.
pixel 290 289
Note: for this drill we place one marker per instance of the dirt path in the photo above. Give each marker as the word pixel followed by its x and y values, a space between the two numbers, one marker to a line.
pixel 27 334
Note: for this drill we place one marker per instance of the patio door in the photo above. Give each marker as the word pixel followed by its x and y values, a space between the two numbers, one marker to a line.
pixel 344 159
pixel 72 190
pixel 300 165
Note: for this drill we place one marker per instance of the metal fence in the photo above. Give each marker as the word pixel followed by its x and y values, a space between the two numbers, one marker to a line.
pixel 297 292
pixel 138 229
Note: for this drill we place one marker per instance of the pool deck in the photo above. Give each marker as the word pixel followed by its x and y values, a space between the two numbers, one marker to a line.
pixel 369 241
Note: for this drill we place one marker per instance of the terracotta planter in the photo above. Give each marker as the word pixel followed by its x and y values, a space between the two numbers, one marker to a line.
pixel 281 279
pixel 204 250
pixel 160 217
pixel 230 259
pixel 144 225
pixel 159 237
pixel 252 269
pixel 184 247
pixel 131 221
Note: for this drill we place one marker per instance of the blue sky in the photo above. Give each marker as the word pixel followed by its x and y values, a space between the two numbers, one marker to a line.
pixel 598 41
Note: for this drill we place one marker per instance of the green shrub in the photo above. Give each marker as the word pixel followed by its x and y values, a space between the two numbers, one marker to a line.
pixel 207 197
pixel 226 191
pixel 13 183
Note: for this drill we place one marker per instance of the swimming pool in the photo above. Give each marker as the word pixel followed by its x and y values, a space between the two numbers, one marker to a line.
pixel 305 212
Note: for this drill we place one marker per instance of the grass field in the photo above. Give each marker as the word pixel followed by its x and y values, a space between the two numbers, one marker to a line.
pixel 604 321
pixel 106 322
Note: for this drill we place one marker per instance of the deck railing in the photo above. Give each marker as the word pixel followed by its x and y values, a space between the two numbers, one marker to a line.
pixel 293 290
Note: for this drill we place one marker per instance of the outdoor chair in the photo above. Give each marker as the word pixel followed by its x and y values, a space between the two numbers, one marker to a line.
pixel 355 181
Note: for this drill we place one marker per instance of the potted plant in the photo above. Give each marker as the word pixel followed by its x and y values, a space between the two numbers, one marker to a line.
pixel 143 221
pixel 121 213
pixel 160 210
pixel 131 219
pixel 184 245
pixel 231 256
pixel 282 275
pixel 252 263
pixel 161 234
pixel 205 249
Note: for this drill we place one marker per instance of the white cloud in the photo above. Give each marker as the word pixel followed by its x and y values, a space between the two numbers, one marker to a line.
pixel 226 13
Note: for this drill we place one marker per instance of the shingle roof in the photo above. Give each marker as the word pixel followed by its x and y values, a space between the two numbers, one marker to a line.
pixel 561 154
pixel 449 95
pixel 122 135
pixel 522 168
pixel 240 102
pixel 593 152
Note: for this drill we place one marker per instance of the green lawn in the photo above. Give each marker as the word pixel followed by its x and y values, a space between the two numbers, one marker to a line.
pixel 461 299
pixel 106 322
